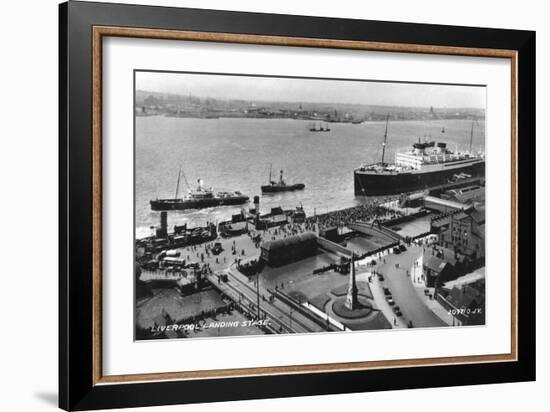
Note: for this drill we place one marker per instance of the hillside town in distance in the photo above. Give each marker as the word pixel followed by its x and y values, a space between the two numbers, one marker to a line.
pixel 173 105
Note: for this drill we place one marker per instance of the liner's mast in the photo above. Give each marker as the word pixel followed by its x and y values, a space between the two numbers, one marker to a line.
pixel 471 136
pixel 385 138
pixel 178 184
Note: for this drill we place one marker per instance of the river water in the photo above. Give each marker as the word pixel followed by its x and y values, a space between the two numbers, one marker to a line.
pixel 234 154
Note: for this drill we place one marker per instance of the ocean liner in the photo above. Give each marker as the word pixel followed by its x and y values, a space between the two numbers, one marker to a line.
pixel 199 198
pixel 426 165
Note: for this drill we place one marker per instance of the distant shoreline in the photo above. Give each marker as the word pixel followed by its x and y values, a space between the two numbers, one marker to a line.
pixel 316 121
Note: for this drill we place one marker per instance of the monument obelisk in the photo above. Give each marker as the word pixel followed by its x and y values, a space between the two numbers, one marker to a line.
pixel 351 298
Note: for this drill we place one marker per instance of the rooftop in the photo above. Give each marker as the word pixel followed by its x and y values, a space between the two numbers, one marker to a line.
pixel 478 214
pixel 443 254
pixel 289 241
pixel 466 279
pixel 465 296
pixel 435 264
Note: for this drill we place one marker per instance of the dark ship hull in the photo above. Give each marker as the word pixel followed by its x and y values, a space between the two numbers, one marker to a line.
pixel 282 188
pixel 183 204
pixel 368 183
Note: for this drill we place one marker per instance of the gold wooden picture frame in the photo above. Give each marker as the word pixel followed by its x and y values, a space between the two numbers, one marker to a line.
pixel 90 388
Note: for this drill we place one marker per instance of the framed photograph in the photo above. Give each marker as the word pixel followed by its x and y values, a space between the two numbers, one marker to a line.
pixel 257 205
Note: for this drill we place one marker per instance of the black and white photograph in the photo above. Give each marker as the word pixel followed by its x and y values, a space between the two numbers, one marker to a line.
pixel 280 205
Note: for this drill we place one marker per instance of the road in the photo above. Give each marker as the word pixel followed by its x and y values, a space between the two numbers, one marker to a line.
pixel 403 292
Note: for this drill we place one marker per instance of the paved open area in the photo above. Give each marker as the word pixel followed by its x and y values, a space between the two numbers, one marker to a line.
pixel 178 307
pixel 283 290
pixel 413 228
pixel 284 316
pixel 293 275
pixel 362 244
pixel 396 271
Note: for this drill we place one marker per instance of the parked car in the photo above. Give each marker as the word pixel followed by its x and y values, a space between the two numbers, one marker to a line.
pixel 217 249
pixel 380 277
pixel 397 311
pixel 387 292
pixel 390 300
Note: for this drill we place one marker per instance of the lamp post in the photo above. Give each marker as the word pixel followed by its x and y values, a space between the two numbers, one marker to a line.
pixel 258 294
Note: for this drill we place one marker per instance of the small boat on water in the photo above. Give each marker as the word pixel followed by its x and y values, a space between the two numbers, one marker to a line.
pixel 200 198
pixel 281 185
pixel 321 128
pixel 298 215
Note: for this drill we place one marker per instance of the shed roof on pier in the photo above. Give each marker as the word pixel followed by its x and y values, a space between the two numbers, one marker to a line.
pixel 289 241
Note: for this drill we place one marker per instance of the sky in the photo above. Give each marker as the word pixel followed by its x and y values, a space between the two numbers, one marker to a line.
pixel 313 90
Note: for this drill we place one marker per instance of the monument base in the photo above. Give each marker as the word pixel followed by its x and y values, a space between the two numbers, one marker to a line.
pixel 363 308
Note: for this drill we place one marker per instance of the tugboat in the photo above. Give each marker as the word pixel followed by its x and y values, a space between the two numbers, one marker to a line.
pixel 298 215
pixel 426 165
pixel 281 185
pixel 199 198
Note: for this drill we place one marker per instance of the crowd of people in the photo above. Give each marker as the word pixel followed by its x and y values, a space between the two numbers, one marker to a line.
pixel 368 212
pixel 204 254
pixel 287 230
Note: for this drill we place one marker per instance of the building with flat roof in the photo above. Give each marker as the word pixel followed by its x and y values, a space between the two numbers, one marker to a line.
pixel 290 249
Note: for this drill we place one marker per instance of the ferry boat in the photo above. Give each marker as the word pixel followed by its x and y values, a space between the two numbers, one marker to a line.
pixel 426 165
pixel 199 198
